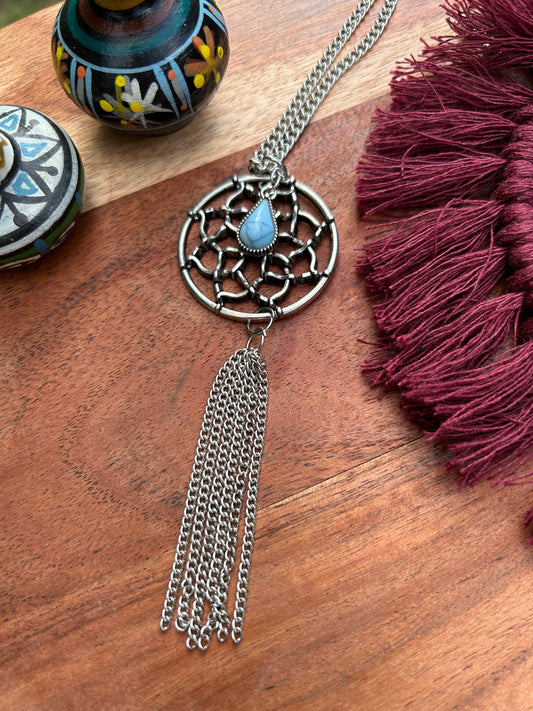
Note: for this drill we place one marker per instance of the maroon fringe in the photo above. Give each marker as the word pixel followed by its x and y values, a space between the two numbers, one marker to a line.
pixel 501 31
pixel 412 181
pixel 452 280
pixel 463 344
pixel 431 84
pixel 419 132
pixel 460 226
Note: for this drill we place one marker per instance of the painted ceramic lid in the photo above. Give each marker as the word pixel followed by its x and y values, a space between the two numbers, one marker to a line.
pixel 41 185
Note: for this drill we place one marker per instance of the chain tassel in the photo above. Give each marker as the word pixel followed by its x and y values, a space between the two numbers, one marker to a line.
pixel 223 485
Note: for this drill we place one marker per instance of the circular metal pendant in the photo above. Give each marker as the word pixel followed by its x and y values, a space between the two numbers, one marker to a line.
pixel 248 250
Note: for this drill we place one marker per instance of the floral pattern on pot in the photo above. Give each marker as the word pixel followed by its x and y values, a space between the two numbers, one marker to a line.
pixel 145 66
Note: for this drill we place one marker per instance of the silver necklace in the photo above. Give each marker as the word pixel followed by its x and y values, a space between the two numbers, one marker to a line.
pixel 256 248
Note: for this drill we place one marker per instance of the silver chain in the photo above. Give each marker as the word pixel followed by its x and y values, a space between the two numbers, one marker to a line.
pixel 269 157
pixel 225 472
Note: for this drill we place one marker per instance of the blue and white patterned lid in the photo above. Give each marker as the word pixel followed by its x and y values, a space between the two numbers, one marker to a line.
pixel 41 185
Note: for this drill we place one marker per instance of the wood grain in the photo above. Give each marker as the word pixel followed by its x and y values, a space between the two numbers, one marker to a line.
pixel 375 583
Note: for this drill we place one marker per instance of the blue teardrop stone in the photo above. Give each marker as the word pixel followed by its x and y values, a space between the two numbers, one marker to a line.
pixel 258 230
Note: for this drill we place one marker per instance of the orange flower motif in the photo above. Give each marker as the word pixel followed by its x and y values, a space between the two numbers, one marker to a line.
pixel 201 69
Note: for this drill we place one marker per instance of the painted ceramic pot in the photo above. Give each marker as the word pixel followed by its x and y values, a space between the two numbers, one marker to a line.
pixel 146 66
pixel 41 185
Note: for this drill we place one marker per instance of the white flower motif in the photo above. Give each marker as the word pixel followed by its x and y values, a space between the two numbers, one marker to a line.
pixel 129 102
pixel 139 105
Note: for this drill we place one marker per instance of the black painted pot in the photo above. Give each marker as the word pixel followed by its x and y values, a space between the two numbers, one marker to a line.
pixel 145 66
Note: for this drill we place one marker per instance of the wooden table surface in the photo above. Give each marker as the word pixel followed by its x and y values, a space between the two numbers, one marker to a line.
pixel 375 583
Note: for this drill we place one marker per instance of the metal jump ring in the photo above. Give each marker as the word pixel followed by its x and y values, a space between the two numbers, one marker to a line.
pixel 260 330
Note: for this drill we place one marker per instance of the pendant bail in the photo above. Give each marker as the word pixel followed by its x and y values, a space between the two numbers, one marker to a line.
pixel 269 165
pixel 260 330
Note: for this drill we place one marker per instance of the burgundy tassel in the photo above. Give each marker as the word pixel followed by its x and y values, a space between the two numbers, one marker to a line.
pixel 412 181
pixel 466 343
pixel 452 284
pixel 419 132
pixel 501 29
pixel 433 84
pixel 458 227
pixel 486 416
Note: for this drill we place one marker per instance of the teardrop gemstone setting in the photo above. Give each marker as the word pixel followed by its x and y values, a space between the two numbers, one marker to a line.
pixel 258 232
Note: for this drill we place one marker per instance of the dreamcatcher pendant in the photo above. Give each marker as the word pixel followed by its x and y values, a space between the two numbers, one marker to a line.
pixel 246 244
pixel 255 249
